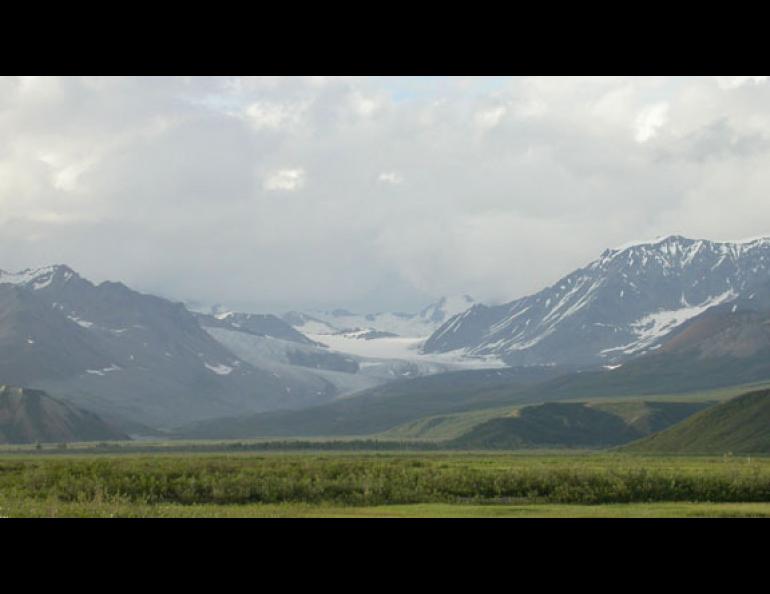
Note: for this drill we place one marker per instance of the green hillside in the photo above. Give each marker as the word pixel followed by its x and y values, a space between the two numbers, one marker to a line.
pixel 577 424
pixel 740 425
pixel 379 409
pixel 434 407
pixel 443 427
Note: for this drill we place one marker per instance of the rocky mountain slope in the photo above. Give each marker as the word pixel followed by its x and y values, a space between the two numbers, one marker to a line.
pixel 727 345
pixel 127 355
pixel 615 308
pixel 255 324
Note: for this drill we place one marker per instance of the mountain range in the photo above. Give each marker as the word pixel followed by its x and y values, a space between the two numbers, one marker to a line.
pixel 145 362
pixel 615 308
pixel 125 355
pixel 420 324
pixel 726 344
pixel 670 315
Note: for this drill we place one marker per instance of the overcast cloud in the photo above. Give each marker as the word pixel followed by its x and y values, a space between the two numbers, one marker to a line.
pixel 372 194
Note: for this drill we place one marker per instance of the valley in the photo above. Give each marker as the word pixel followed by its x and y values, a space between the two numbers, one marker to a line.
pixel 382 296
pixel 112 382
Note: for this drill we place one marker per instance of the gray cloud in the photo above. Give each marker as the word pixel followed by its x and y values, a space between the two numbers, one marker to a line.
pixel 276 193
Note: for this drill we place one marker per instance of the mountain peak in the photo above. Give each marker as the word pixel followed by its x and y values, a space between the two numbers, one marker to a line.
pixel 681 239
pixel 650 242
pixel 678 251
pixel 446 307
pixel 620 305
pixel 38 278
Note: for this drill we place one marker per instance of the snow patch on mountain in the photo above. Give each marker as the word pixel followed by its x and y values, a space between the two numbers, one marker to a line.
pixel 388 348
pixel 35 278
pixel 79 322
pixel 655 326
pixel 104 370
pixel 336 373
pixel 409 325
pixel 620 304
pixel 404 348
pixel 219 369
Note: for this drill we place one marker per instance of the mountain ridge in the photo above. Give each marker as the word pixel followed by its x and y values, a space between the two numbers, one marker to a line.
pixel 615 307
pixel 125 354
pixel 419 324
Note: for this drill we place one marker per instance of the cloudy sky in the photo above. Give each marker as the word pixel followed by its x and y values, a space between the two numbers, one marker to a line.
pixel 370 193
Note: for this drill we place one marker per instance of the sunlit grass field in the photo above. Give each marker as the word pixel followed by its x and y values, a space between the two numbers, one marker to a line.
pixel 382 484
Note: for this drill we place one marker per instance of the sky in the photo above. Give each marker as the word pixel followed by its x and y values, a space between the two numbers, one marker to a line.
pixel 373 194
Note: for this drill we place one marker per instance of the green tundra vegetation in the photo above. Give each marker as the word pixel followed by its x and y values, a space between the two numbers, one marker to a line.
pixel 642 414
pixel 698 454
pixel 420 409
pixel 383 484
pixel 576 424
pixel 739 425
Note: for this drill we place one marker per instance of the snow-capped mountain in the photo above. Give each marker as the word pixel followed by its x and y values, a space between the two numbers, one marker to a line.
pixel 256 324
pixel 332 372
pixel 308 324
pixel 618 306
pixel 411 325
pixel 334 362
pixel 130 356
pixel 387 335
pixel 141 359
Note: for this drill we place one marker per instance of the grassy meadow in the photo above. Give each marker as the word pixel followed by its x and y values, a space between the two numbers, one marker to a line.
pixel 382 484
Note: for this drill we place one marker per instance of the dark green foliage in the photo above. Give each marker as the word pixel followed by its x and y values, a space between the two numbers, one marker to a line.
pixel 553 424
pixel 380 479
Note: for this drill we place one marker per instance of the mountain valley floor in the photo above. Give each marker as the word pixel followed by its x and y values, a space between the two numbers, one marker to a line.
pixel 381 484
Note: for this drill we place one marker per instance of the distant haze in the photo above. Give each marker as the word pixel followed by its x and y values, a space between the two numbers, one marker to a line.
pixel 372 194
